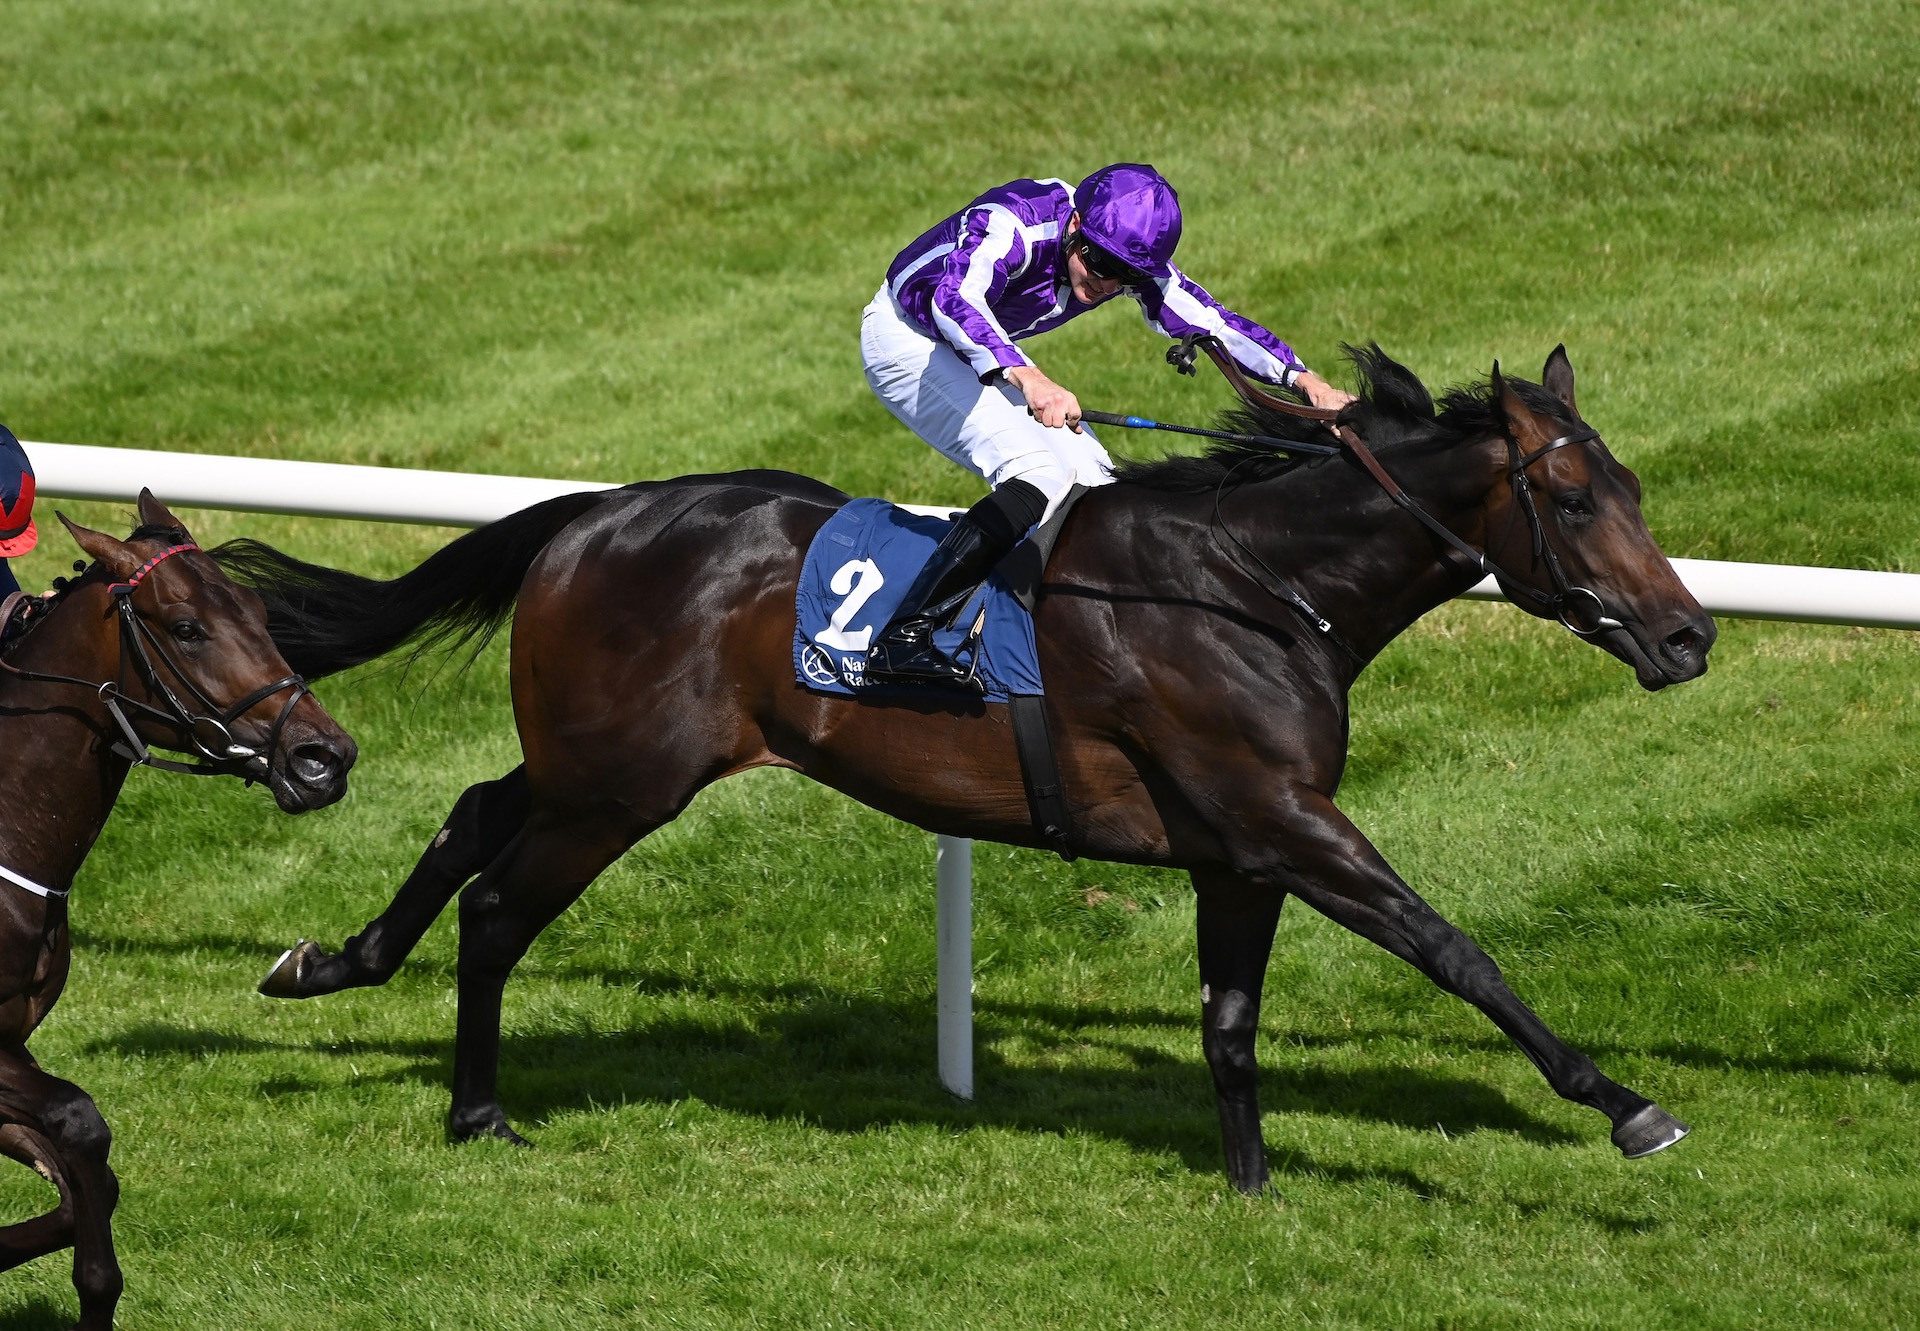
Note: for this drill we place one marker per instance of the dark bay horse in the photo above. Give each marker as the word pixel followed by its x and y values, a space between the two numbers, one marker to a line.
pixel 151 645
pixel 1200 717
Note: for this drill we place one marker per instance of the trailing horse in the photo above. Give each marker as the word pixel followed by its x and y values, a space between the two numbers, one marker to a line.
pixel 1200 624
pixel 151 645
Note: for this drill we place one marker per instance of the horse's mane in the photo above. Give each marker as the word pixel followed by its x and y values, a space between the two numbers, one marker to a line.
pixel 29 620
pixel 1395 411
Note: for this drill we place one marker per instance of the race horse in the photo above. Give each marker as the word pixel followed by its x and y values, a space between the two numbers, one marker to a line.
pixel 1200 623
pixel 151 644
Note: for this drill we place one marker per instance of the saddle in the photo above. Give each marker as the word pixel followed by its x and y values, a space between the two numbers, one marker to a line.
pixel 859 565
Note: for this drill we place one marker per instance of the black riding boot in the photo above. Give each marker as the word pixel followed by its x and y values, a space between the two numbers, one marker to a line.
pixel 978 540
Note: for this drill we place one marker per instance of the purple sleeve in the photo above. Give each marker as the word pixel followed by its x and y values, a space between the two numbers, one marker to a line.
pixel 974 275
pixel 1180 305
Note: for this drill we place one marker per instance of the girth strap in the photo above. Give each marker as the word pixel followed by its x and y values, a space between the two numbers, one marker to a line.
pixel 1032 740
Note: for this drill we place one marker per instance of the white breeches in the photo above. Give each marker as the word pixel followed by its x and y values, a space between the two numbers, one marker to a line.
pixel 983 427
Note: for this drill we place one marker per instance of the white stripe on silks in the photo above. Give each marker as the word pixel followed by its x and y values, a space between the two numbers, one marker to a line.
pixel 30 885
pixel 1002 228
pixel 1190 308
pixel 937 252
pixel 1031 235
pixel 1045 231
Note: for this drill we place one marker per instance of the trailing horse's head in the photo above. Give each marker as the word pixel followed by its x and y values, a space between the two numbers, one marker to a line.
pixel 191 667
pixel 1567 533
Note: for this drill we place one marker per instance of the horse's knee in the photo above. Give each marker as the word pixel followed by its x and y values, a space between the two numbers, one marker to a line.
pixel 75 1124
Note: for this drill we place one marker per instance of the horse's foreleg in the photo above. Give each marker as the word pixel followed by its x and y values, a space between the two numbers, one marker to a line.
pixel 25 1240
pixel 75 1139
pixel 483 821
pixel 1236 919
pixel 1337 871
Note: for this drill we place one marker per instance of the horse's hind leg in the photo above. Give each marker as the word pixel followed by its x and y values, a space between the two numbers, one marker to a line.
pixel 76 1139
pixel 1235 919
pixel 483 821
pixel 502 911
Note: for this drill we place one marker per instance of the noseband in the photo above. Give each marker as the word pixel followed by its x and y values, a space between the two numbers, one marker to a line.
pixel 209 731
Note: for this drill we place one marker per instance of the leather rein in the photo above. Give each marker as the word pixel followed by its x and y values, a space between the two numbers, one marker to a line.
pixel 209 731
pixel 1578 609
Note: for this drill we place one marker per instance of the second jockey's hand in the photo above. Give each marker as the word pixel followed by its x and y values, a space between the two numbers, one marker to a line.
pixel 1047 402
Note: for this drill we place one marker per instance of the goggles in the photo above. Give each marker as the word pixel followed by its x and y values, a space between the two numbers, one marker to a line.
pixel 1105 266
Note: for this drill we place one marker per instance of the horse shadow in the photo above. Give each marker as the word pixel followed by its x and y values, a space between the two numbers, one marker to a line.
pixel 853 1063
pixel 36 1314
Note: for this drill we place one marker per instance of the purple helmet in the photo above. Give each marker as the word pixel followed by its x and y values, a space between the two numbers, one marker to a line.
pixel 1131 212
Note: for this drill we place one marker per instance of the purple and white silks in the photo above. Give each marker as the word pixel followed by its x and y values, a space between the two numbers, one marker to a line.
pixel 995 273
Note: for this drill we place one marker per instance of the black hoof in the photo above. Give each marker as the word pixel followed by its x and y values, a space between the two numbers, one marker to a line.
pixel 1651 1129
pixel 291 976
pixel 488 1125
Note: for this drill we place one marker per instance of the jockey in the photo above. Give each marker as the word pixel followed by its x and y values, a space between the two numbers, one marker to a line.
pixel 939 345
pixel 17 532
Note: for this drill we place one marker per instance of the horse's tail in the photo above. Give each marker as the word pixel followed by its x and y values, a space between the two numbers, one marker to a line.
pixel 325 620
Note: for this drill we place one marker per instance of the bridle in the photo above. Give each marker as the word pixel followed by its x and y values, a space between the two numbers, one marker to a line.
pixel 1578 609
pixel 209 731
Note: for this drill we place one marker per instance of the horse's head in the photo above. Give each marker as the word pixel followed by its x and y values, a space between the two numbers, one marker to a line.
pixel 197 671
pixel 1567 534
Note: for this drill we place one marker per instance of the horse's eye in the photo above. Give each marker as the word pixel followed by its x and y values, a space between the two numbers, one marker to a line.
pixel 188 630
pixel 1575 505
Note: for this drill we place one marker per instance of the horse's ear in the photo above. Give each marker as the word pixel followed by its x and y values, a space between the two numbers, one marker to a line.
pixel 1558 377
pixel 1520 417
pixel 1503 396
pixel 153 513
pixel 100 547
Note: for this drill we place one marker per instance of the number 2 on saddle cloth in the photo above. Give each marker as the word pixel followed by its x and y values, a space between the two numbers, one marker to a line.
pixel 859 566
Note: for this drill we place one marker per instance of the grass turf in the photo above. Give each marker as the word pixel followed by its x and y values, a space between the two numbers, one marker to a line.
pixel 612 241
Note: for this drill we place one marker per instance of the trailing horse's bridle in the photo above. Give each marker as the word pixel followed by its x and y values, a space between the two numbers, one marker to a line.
pixel 209 732
pixel 1568 604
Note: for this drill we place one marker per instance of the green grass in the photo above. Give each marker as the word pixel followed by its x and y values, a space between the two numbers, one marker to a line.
pixel 613 241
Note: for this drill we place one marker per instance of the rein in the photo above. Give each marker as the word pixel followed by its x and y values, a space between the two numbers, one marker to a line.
pixel 209 732
pixel 1577 609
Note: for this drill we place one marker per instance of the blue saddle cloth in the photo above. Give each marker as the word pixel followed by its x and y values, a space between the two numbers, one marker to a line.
pixel 857 571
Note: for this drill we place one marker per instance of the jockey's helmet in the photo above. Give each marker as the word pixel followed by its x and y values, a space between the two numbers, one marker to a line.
pixel 1130 211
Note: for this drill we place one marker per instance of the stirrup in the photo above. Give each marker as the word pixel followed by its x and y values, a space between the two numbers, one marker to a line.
pixel 919 664
pixel 928 667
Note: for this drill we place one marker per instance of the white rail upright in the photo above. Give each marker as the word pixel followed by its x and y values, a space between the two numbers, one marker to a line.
pixel 953 873
pixel 464 499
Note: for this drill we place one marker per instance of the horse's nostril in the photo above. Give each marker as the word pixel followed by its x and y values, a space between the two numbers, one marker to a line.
pixel 1682 647
pixel 313 764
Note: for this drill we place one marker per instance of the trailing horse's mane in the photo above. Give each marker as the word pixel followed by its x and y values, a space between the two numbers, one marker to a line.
pixel 62 587
pixel 1395 410
pixel 146 531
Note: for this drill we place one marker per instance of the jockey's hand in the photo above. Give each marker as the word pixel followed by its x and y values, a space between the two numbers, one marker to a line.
pixel 1320 392
pixel 1047 402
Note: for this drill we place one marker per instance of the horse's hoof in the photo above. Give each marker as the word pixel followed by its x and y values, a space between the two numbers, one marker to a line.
pixel 288 978
pixel 1651 1129
pixel 490 1126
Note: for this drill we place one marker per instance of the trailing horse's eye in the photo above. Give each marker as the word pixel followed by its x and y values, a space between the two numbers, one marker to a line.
pixel 188 630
